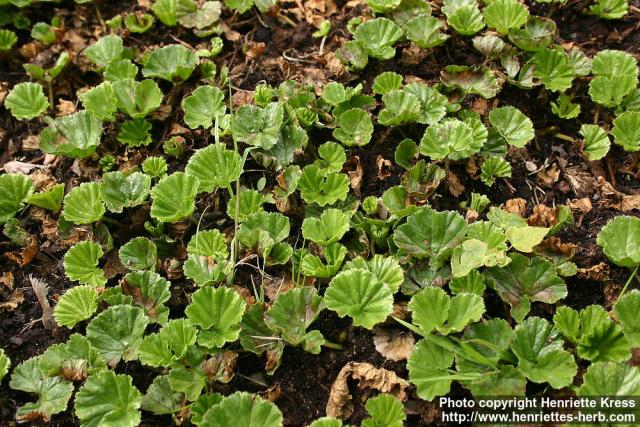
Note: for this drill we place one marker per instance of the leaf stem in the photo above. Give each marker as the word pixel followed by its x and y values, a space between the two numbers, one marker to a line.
pixel 626 285
pixel 333 345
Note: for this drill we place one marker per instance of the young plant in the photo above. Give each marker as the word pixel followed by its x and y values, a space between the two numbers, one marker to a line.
pixel 610 9
pixel 83 204
pixel 15 189
pixel 596 141
pixel 119 191
pixel 377 37
pixel 26 101
pixel 81 264
pixel 615 76
pixel 77 135
pixel 504 15
pixel 173 63
pixel 173 197
pixel 464 16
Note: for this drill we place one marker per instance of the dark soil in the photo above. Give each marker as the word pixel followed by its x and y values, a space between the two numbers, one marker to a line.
pixel 303 379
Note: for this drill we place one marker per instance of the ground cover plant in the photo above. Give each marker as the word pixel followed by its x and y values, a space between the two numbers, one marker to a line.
pixel 315 213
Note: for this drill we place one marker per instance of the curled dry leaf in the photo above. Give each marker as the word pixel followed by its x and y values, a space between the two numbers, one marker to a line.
pixel 582 205
pixel 597 273
pixel 455 186
pixel 340 403
pixel 354 169
pixel 30 143
pixel 64 108
pixel 550 176
pixel 10 298
pixel 220 367
pixel 393 344
pixel 274 286
pixel 516 206
pixel 384 167
pixel 23 168
pixel 543 216
pixel 553 247
pixel 612 198
pixel 582 182
pixel 26 255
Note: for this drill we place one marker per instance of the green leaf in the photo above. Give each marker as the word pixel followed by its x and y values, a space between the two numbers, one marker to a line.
pixel 383 83
pixel 119 191
pixel 315 187
pixel 243 409
pixel 432 234
pixel 257 337
pixel 210 243
pixel 620 241
pixel 553 69
pixel 386 269
pixel 155 166
pixel 291 315
pixel 160 398
pixel 425 31
pixel 486 246
pixel 564 108
pixel 385 410
pixel 332 157
pixel 137 99
pixel 258 126
pixel 464 16
pixel 167 10
pixel 53 392
pixel 433 105
pixel 503 15
pixel 169 345
pixel 150 291
pixel 537 34
pixel 202 405
pixel 83 205
pixel 596 141
pixel 428 368
pixel 524 281
pixel 101 101
pixel 26 101
pixel 626 130
pixel 204 16
pixel 626 309
pixel 106 50
pixel 77 135
pixel 264 231
pixel 473 282
pixel 217 311
pixel 355 128
pixel 173 197
pixel 75 305
pixel 108 399
pixel 117 332
pixel 451 138
pixel 328 228
pixel 525 238
pixel 74 360
pixel 313 266
pixel 512 125
pixel 610 9
pixel 7 39
pixel 174 63
pixel 119 70
pixel 215 167
pixel 81 264
pixel 135 133
pixel 541 358
pixel 432 309
pixel 360 295
pixel 5 362
pixel 203 107
pixel 377 37
pixel 139 253
pixel 401 107
pixel 477 80
pixel 205 270
pixel 15 189
pixel 610 379
pixel 138 22
pixel 50 199
pixel 493 168
pixel 616 75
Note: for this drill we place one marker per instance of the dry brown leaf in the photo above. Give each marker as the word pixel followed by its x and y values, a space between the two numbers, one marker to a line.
pixel 23 168
pixel 11 302
pixel 597 273
pixel 113 266
pixel 4 90
pixel 553 247
pixel 384 167
pixel 6 280
pixel 274 286
pixel 549 176
pixel 355 171
pixel 516 206
pixel 30 143
pixel 455 186
pixel 582 182
pixel 255 50
pixel 333 64
pixel 245 294
pixel 340 403
pixel 543 216
pixel 480 106
pixel 615 199
pixel 393 344
pixel 26 255
pixel 582 205
pixel 64 108
pixel 272 394
pixel 220 367
pixel 41 290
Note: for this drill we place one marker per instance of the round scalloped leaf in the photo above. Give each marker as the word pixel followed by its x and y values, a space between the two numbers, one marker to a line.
pixel 106 50
pixel 479 80
pixel 257 126
pixel 494 168
pixel 243 409
pixel 610 379
pixel 596 141
pixel 315 187
pixel 536 35
pixel 354 127
pixel 139 253
pixel 214 166
pixel 377 37
pixel 465 17
pixel 14 190
pixel 332 157
pixel 101 101
pixel 626 130
pixel 50 199
pixel 174 197
pixel 386 269
pixel 610 9
pixel 26 101
pixel 425 31
pixel 83 205
pixel 75 135
pixel 117 332
pixel 400 108
pixel 428 368
pixel 173 63
pixel 620 241
pixel 626 311
pixel 250 201
pixel 328 228
pixel 386 82
pixel 74 360
pixel 326 422
pixel 384 410
pixel 360 295
pixel 452 138
pixel 614 63
pixel 503 15
pixel 432 309
pixel 135 133
pixel 137 99
pixel 7 39
pixel 107 399
pixel 433 104
pixel 204 106
pixel 553 69
pixel 81 264
pixel 148 290
pixel 75 305
pixel 161 399
pixel 217 311
pixel 5 362
pixel 119 191
pixel 208 243
pixel 512 125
